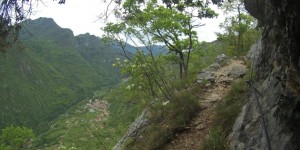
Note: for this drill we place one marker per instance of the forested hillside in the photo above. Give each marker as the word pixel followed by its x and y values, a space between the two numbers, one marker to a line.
pixel 53 71
pixel 197 95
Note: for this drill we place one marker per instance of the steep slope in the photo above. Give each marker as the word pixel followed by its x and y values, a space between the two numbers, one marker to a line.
pixel 100 56
pixel 270 119
pixel 50 75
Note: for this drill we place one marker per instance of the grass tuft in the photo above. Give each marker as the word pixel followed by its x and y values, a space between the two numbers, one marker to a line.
pixel 216 140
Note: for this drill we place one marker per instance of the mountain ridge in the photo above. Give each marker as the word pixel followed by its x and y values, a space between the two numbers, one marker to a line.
pixel 49 75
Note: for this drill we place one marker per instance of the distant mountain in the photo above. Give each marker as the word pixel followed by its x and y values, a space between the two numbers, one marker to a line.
pixel 156 50
pixel 54 71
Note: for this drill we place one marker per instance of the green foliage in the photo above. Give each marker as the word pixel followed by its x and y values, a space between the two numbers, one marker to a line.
pixel 125 106
pixel 216 140
pixel 228 110
pixel 172 117
pixel 148 75
pixel 155 23
pixel 15 138
pixel 4 147
pixel 78 128
pixel 205 54
pixel 166 119
pixel 11 15
pixel 240 32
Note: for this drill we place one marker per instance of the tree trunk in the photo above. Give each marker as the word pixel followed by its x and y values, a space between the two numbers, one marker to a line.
pixel 183 70
pixel 180 70
pixel 239 30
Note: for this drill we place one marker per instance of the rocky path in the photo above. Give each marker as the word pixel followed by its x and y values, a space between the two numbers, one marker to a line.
pixel 200 126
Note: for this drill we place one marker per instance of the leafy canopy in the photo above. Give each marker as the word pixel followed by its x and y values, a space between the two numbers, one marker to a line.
pixel 239 27
pixel 171 23
pixel 16 138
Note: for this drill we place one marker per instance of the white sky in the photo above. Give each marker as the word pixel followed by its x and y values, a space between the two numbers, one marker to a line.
pixel 82 17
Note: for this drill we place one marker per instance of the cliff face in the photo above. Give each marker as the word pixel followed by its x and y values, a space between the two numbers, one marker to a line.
pixel 277 69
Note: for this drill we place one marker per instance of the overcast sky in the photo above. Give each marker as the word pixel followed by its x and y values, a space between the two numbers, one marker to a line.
pixel 82 17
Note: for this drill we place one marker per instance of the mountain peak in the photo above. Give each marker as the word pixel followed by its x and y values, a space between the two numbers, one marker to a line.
pixel 44 21
pixel 47 27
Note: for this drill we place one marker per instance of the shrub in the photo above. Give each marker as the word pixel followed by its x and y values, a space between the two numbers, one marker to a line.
pixel 16 138
pixel 216 140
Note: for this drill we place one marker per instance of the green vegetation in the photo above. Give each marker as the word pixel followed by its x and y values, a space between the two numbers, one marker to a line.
pixel 50 75
pixel 216 140
pixel 240 34
pixel 56 72
pixel 83 128
pixel 166 119
pixel 158 76
pixel 205 55
pixel 151 22
pixel 16 138
pixel 240 28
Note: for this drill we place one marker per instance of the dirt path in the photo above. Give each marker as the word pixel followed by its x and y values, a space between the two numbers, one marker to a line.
pixel 200 126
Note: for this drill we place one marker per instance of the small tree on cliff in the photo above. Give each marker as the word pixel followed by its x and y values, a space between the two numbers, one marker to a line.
pixel 238 26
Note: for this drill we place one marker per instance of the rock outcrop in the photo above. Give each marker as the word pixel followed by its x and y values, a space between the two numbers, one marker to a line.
pixel 226 75
pixel 277 68
pixel 135 130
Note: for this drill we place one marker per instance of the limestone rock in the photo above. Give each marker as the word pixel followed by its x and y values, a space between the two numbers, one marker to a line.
pixel 200 126
pixel 237 71
pixel 248 130
pixel 223 79
pixel 214 66
pixel 206 76
pixel 220 58
pixel 135 130
pixel 228 73
pixel 276 49
pixel 254 51
pixel 213 98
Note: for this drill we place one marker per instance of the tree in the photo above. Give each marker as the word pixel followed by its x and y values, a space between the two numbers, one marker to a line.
pixel 146 23
pixel 148 75
pixel 16 138
pixel 151 22
pixel 237 25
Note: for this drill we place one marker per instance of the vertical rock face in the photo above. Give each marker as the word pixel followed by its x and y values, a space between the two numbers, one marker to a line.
pixel 134 132
pixel 277 68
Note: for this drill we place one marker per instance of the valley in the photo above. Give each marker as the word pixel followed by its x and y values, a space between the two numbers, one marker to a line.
pixel 51 74
pixel 150 82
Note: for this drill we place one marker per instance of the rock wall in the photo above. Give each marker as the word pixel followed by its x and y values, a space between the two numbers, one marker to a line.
pixel 277 77
pixel 135 130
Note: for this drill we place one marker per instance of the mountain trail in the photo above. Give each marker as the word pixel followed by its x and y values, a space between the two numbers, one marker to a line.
pixel 202 123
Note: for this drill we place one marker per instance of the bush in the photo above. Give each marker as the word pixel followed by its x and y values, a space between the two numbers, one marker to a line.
pixel 16 138
pixel 216 141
